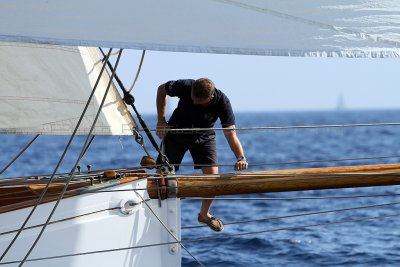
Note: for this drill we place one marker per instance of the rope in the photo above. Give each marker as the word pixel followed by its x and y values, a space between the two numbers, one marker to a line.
pixel 19 154
pixel 298 215
pixel 130 100
pixel 76 163
pixel 138 71
pixel 207 238
pixel 169 231
pixel 59 162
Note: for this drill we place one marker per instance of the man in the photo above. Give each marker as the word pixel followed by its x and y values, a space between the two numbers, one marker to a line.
pixel 200 105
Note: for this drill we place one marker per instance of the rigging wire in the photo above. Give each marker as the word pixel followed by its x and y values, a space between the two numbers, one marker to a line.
pixel 315 177
pixel 225 176
pixel 235 183
pixel 62 220
pixel 193 130
pixel 19 154
pixel 201 129
pixel 88 145
pixel 130 100
pixel 291 162
pixel 290 228
pixel 298 215
pixel 76 163
pixel 97 172
pixel 137 72
pixel 201 198
pixel 66 219
pixel 194 240
pixel 290 198
pixel 59 162
pixel 282 175
pixel 90 253
pixel 227 223
pixel 169 231
pixel 304 177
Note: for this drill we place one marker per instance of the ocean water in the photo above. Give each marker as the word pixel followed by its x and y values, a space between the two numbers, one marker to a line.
pixel 327 239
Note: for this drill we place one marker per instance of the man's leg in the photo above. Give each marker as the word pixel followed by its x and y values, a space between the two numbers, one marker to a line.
pixel 206 203
pixel 173 149
pixel 204 153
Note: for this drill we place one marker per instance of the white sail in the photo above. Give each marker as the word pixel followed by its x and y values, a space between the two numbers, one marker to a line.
pixel 44 89
pixel 338 28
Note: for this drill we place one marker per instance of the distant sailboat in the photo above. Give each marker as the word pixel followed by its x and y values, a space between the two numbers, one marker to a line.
pixel 340 104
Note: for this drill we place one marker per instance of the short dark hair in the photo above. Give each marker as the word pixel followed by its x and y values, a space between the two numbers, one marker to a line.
pixel 203 88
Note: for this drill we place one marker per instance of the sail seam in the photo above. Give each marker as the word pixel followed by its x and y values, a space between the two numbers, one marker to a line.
pixel 348 53
pixel 43 99
pixel 43 46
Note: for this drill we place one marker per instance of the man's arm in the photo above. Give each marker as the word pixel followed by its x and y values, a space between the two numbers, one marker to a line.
pixel 161 111
pixel 236 147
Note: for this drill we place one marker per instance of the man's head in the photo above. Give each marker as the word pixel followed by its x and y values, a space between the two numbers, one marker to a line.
pixel 203 91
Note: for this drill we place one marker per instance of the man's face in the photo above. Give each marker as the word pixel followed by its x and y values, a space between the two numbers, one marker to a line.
pixel 202 101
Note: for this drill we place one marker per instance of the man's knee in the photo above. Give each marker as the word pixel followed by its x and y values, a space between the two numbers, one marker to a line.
pixel 210 170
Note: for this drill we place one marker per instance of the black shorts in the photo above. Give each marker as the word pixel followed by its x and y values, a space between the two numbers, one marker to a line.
pixel 202 148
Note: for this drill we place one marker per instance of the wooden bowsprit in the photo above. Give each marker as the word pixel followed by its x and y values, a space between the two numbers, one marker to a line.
pixel 284 180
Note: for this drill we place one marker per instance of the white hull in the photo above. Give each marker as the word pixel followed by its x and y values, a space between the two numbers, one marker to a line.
pixel 107 227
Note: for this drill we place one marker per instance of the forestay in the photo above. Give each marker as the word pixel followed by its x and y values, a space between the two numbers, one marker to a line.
pixel 338 28
pixel 44 90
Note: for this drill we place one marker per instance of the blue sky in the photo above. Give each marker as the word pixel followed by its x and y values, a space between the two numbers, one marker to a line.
pixel 257 83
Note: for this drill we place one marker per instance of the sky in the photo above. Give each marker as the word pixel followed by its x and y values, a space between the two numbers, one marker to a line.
pixel 259 83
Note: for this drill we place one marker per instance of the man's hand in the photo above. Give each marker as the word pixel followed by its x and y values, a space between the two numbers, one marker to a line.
pixel 241 165
pixel 162 129
pixel 236 146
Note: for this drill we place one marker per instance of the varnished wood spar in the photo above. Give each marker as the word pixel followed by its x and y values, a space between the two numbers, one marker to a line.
pixel 286 180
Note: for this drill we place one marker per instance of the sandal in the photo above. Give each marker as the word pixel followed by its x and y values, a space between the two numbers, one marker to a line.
pixel 214 223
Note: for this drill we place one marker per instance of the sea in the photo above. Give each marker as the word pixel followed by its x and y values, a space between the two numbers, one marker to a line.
pixel 341 227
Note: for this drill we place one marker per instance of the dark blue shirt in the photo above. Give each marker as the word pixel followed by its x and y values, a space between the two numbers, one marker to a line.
pixel 188 115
